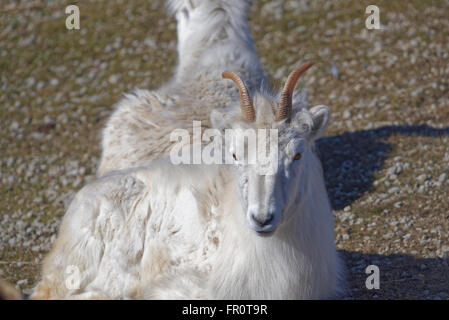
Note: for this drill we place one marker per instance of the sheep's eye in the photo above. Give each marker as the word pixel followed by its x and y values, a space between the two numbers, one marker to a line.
pixel 297 156
pixel 234 156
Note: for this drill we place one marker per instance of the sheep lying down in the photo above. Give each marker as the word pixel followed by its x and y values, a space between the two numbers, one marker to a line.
pixel 177 232
pixel 234 231
pixel 128 233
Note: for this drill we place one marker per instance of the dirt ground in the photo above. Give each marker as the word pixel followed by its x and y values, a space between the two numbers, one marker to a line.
pixel 385 155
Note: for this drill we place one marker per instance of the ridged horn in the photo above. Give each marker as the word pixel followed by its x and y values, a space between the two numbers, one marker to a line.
pixel 285 104
pixel 245 100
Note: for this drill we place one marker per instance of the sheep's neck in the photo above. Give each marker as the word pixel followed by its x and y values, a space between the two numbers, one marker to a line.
pixel 247 256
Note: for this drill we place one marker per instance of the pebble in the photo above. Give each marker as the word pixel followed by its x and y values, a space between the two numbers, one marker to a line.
pixel 14 126
pixel 398 204
pixel 22 282
pixel 394 190
pixel 421 178
pixel 113 79
pixel 38 200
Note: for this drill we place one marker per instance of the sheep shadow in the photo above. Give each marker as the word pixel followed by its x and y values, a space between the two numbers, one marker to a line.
pixel 350 162
pixel 400 276
pixel 351 159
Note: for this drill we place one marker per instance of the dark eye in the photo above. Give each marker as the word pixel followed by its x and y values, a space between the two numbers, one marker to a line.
pixel 234 156
pixel 297 156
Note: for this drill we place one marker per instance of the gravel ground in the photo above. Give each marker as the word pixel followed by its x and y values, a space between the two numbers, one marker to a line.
pixel 385 156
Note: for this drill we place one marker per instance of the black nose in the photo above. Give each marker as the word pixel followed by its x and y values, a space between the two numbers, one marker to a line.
pixel 263 221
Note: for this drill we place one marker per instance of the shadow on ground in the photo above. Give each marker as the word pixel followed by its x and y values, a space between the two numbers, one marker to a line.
pixel 351 159
pixel 401 276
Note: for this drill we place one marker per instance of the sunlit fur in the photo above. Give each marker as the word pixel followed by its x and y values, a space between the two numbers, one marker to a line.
pixel 213 36
pixel 165 231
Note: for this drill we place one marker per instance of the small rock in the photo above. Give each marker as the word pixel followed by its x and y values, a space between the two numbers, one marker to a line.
pixel 48 120
pixel 63 118
pixel 22 282
pixel 113 79
pixel 38 200
pixel 421 178
pixel 335 72
pixel 392 177
pixel 30 82
pixel 40 85
pixel 14 126
pixel 394 190
pixel 398 204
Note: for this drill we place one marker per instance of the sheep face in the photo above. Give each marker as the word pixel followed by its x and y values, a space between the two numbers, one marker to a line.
pixel 271 158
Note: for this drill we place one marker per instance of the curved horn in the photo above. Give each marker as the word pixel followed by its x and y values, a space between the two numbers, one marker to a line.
pixel 285 103
pixel 245 100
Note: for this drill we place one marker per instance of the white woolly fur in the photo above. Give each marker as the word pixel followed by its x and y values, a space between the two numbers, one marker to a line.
pixel 147 229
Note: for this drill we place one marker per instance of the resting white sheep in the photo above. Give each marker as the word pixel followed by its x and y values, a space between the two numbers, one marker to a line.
pixel 208 231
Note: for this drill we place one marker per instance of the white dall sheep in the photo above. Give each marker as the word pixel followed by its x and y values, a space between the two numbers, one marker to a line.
pixel 213 36
pixel 208 231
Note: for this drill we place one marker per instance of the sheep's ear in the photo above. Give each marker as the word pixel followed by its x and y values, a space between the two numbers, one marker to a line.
pixel 218 120
pixel 320 118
